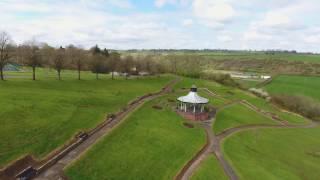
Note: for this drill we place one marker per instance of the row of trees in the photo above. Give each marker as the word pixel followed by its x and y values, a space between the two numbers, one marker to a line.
pixel 34 54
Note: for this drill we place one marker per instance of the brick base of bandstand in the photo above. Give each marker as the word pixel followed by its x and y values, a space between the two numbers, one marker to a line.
pixel 194 116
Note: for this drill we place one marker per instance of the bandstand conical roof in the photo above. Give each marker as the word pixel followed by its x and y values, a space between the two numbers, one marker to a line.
pixel 193 97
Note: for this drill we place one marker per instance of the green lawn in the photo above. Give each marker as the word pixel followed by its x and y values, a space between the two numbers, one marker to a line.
pixel 150 144
pixel 275 153
pixel 209 169
pixel 305 85
pixel 39 116
pixel 237 115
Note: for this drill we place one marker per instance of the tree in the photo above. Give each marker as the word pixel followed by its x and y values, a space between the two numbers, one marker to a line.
pixel 77 57
pixel 138 66
pixel 32 56
pixel 126 65
pixel 59 61
pixel 157 68
pixel 113 62
pixel 174 63
pixel 5 41
pixel 147 63
pixel 98 61
pixel 48 53
pixel 105 52
pixel 96 50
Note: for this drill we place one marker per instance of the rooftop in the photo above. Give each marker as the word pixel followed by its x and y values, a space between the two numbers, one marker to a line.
pixel 193 97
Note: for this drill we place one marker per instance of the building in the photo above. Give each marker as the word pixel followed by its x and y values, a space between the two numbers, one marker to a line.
pixel 192 106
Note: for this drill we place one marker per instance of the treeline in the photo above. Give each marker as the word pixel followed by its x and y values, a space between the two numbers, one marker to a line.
pixel 99 61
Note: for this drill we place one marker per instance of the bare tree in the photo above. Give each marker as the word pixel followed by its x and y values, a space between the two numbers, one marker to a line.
pixel 48 53
pixel 59 61
pixel 126 65
pixel 173 59
pixel 113 61
pixel 97 61
pixel 157 68
pixel 138 66
pixel 4 51
pixel 96 64
pixel 77 57
pixel 32 56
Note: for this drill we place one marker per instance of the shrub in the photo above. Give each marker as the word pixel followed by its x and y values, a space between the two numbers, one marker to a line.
pixel 224 79
pixel 259 92
pixel 299 104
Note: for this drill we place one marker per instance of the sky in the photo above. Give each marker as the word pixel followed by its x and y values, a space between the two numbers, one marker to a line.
pixel 166 24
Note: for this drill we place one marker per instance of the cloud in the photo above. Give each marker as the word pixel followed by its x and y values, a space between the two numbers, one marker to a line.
pixel 124 24
pixel 162 3
pixel 225 38
pixel 187 22
pixel 213 13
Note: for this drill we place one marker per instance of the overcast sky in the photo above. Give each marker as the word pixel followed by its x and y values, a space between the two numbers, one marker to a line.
pixel 191 24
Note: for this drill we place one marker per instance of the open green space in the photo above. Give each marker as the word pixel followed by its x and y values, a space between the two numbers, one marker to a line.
pixel 237 115
pixel 209 169
pixel 262 56
pixel 47 73
pixel 150 144
pixel 303 85
pixel 37 117
pixel 275 153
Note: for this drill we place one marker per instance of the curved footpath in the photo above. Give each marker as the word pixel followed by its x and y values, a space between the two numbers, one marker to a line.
pixel 214 141
pixel 55 170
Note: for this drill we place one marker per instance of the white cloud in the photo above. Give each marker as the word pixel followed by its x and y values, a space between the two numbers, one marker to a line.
pixel 213 11
pixel 161 3
pixel 187 22
pixel 255 24
pixel 225 38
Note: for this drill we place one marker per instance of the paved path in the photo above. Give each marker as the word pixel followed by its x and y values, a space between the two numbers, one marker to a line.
pixel 55 172
pixel 212 146
pixel 214 141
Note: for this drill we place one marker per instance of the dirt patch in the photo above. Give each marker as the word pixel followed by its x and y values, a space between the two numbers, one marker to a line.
pixel 18 166
pixel 188 125
pixel 157 107
pixel 315 154
pixel 171 100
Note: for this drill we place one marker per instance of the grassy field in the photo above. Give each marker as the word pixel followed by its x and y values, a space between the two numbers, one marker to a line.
pixel 209 169
pixel 150 144
pixel 237 115
pixel 263 56
pixel 39 116
pixel 275 153
pixel 305 85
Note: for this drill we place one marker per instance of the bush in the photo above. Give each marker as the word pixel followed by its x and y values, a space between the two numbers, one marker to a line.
pixel 259 92
pixel 195 75
pixel 300 104
pixel 224 79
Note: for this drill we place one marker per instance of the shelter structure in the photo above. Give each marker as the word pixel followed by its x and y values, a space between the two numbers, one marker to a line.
pixel 192 106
